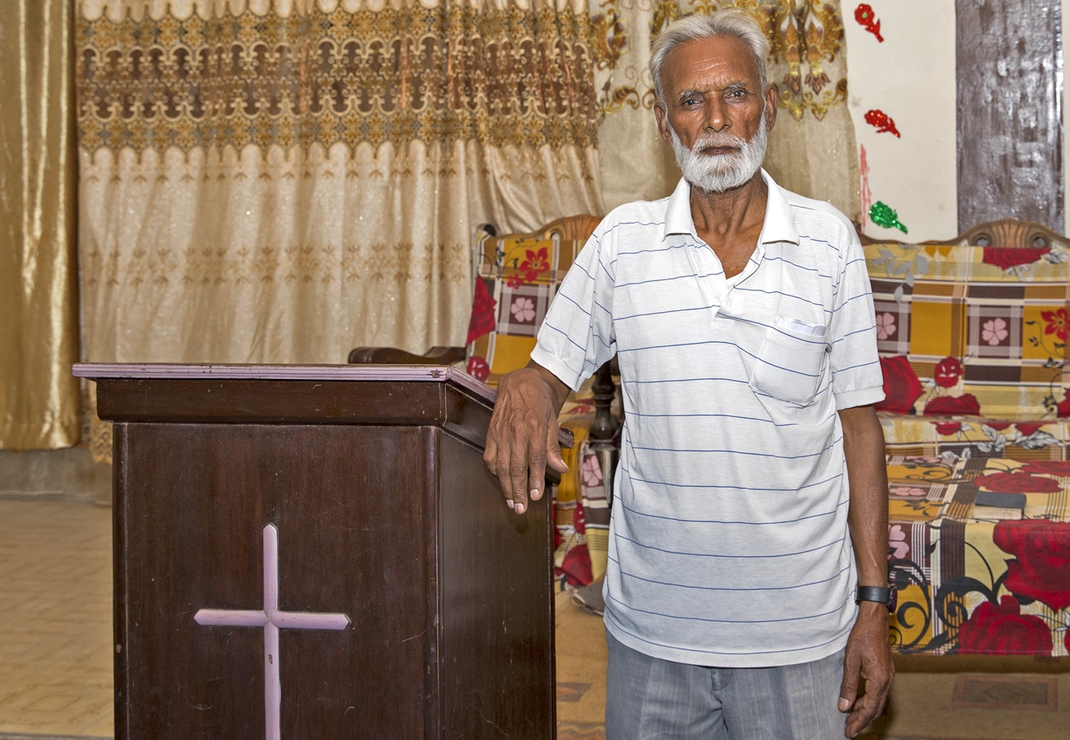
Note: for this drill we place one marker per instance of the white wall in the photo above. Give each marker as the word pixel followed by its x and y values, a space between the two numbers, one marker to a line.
pixel 911 77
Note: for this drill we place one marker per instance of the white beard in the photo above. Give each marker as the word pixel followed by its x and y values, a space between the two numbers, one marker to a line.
pixel 720 172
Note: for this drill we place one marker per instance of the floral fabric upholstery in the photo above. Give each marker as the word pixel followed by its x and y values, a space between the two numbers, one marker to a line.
pixel 516 279
pixel 972 339
pixel 973 345
pixel 980 553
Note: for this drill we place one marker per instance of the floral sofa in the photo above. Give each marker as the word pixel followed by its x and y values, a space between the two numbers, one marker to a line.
pixel 973 342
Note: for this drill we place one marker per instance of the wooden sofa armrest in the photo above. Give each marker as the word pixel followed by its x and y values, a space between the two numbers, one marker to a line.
pixel 393 356
pixel 1005 232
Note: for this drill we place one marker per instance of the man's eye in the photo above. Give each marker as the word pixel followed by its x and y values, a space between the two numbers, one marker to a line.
pixel 737 94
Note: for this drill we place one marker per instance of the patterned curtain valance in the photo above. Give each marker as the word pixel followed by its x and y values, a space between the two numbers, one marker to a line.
pixel 803 34
pixel 500 76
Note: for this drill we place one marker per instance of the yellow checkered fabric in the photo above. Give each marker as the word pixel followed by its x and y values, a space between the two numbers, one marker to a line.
pixel 982 330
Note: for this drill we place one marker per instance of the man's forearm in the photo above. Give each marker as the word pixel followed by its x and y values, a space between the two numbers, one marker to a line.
pixel 868 513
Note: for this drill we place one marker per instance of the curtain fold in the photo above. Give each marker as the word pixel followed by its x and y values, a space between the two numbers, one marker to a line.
pixel 812 147
pixel 39 398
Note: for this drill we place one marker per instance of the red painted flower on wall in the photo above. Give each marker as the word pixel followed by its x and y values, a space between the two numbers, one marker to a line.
pixel 1041 569
pixel 901 385
pixel 1056 322
pixel 1017 483
pixel 947 372
pixel 1007 257
pixel 1002 629
pixel 966 404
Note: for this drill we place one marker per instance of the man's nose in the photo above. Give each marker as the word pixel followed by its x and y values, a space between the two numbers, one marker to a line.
pixel 717 118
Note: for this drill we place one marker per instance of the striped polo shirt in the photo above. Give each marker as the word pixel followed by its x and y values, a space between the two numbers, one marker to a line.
pixel 729 543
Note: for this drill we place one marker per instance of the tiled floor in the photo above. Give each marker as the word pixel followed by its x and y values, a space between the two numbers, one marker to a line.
pixel 56 645
pixel 55 617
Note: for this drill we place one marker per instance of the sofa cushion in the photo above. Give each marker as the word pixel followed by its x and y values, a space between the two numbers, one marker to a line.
pixel 972 331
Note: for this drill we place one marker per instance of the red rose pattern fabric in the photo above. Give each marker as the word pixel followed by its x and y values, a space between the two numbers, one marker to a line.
pixel 1007 257
pixel 478 368
pixel 947 372
pixel 901 385
pixel 576 567
pixel 1063 408
pixel 482 321
pixel 1041 568
pixel 1017 483
pixel 964 405
pixel 1002 629
pixel 1046 467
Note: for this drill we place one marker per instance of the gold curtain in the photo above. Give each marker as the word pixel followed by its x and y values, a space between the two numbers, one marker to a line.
pixel 278 181
pixel 39 398
pixel 811 149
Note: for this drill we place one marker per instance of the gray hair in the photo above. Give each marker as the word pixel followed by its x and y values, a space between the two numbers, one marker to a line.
pixel 734 23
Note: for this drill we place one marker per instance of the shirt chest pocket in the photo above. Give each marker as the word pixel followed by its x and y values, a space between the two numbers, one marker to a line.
pixel 790 362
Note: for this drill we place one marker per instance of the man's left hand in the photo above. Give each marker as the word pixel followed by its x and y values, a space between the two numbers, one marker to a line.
pixel 868 658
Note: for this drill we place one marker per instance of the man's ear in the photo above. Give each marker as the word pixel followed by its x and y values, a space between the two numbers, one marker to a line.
pixel 770 107
pixel 662 117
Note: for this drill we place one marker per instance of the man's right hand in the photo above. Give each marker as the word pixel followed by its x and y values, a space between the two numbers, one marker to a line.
pixel 522 437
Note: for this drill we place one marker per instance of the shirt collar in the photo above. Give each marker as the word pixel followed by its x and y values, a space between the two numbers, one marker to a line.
pixel 778 226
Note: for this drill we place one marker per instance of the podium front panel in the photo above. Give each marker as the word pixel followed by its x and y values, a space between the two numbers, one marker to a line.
pixel 335 580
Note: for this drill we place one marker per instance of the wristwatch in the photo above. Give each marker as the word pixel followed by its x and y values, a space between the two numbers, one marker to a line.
pixel 880 594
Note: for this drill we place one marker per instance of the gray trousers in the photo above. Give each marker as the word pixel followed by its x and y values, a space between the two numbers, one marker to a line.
pixel 648 698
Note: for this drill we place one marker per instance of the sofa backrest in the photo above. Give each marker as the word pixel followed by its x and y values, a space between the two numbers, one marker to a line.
pixel 516 279
pixel 972 330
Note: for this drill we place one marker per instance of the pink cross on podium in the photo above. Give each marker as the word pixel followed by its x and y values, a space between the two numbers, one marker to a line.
pixel 271 620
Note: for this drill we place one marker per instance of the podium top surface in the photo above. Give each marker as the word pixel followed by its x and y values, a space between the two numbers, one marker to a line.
pixel 346 373
pixel 327 394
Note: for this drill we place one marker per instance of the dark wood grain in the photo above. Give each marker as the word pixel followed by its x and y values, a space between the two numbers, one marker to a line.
pixel 393 356
pixel 399 526
pixel 1009 105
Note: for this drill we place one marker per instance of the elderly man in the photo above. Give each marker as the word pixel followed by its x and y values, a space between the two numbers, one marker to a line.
pixel 746 591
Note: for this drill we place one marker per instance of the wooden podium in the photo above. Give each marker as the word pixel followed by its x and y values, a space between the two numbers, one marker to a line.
pixel 318 553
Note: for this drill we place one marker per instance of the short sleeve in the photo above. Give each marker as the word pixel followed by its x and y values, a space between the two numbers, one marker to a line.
pixel 856 371
pixel 576 337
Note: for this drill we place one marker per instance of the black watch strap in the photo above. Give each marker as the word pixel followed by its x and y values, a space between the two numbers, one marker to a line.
pixel 879 594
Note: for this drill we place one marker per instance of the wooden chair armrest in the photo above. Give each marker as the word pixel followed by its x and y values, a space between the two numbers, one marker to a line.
pixel 392 356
